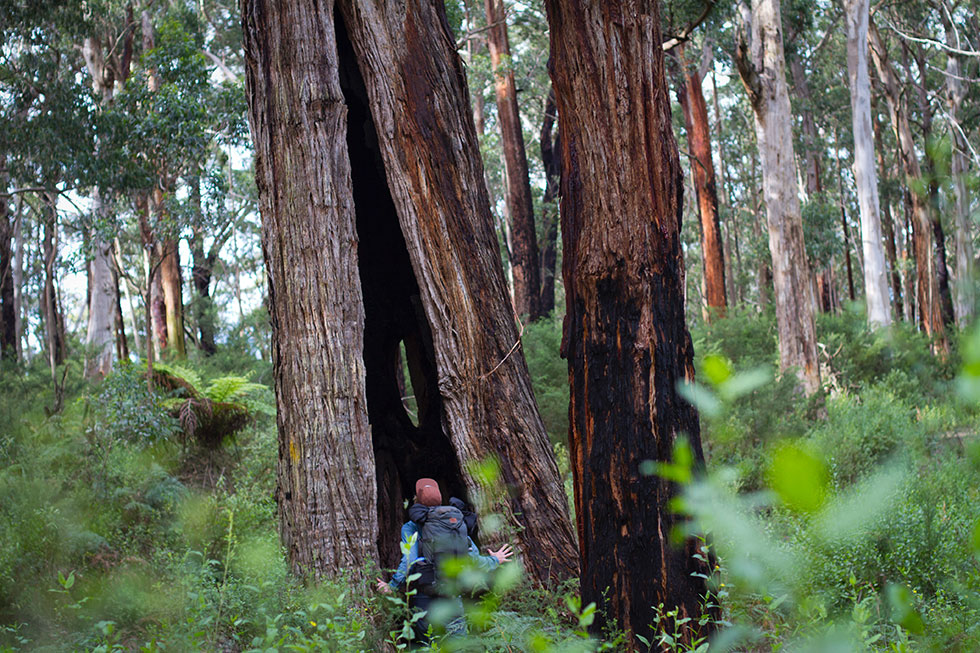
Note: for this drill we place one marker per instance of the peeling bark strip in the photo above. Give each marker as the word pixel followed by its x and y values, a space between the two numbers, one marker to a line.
pixel 691 98
pixel 761 65
pixel 326 492
pixel 625 338
pixel 416 91
pixel 377 232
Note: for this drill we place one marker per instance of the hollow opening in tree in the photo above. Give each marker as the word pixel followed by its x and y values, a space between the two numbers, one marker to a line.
pixel 395 325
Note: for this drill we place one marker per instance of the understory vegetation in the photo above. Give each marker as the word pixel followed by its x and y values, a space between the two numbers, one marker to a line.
pixel 844 522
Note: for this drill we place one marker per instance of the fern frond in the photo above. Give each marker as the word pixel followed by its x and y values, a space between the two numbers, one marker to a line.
pixel 191 377
pixel 228 388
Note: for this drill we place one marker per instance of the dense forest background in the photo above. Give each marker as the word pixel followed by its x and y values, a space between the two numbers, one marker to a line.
pixel 838 506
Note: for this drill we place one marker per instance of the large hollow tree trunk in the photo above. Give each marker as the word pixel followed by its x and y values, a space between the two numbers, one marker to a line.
pixel 368 115
pixel 326 485
pixel 760 62
pixel 523 238
pixel 928 295
pixel 625 339
pixel 691 98
pixel 865 175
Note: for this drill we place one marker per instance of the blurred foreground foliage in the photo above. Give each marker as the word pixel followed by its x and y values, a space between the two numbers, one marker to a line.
pixel 849 521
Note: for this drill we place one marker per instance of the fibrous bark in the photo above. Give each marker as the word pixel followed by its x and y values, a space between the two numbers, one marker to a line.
pixel 326 486
pixel 691 98
pixel 523 238
pixel 760 62
pixel 366 151
pixel 625 339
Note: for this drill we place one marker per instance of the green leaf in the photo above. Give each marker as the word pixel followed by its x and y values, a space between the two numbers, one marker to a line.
pixel 701 398
pixel 717 369
pixel 799 478
pixel 903 612
pixel 745 383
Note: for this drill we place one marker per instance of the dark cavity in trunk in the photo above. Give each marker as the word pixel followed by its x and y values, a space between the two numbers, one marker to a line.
pixel 405 449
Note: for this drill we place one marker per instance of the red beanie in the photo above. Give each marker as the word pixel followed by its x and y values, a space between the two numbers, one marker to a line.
pixel 427 492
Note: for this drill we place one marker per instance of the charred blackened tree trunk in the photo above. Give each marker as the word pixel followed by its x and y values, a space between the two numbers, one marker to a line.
pixel 691 98
pixel 551 159
pixel 523 238
pixel 365 111
pixel 625 338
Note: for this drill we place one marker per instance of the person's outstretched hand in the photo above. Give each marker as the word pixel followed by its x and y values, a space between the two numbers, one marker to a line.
pixel 502 554
pixel 383 587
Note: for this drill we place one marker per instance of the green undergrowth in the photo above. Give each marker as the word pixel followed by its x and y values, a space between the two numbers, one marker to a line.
pixel 846 521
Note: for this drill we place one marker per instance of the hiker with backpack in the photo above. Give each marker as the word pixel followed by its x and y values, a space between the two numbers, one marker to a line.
pixel 441 532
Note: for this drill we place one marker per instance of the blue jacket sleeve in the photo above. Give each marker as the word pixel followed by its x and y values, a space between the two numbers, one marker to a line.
pixel 408 556
pixel 486 563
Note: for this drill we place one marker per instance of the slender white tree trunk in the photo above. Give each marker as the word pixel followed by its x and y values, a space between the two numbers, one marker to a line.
pixel 100 337
pixel 761 65
pixel 103 291
pixel 865 176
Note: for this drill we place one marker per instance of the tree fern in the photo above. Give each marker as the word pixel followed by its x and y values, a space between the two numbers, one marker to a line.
pixel 210 413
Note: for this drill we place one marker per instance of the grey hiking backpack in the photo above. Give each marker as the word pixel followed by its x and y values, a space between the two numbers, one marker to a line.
pixel 442 535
